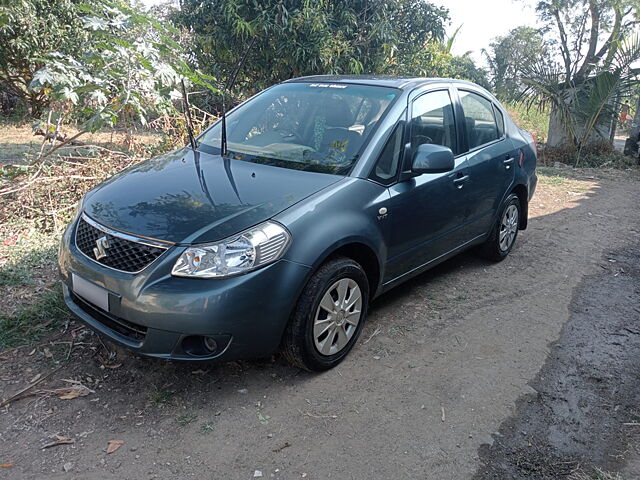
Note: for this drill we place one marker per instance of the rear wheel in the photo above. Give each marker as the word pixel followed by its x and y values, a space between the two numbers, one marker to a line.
pixel 505 231
pixel 329 316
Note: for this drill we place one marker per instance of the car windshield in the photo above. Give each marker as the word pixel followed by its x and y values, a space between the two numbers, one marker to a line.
pixel 319 127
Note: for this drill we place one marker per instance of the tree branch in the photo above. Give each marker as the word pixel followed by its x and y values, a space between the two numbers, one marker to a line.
pixel 587 64
pixel 564 48
pixel 609 46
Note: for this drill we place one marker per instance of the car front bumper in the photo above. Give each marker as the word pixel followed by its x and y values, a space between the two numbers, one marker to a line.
pixel 156 314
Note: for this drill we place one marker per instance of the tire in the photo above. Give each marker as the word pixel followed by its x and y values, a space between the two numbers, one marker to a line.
pixel 304 343
pixel 495 248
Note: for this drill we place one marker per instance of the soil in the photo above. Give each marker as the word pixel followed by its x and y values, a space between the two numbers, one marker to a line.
pixel 451 368
pixel 583 411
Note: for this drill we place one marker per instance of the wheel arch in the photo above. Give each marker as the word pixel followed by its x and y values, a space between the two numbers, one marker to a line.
pixel 521 191
pixel 360 252
pixel 366 257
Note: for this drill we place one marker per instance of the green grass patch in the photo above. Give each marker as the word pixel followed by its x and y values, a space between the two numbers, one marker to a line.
pixel 23 263
pixel 29 324
pixel 553 180
pixel 206 428
pixel 532 119
pixel 186 418
pixel 161 398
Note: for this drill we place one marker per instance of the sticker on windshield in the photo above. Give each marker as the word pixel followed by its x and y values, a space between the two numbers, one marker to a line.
pixel 327 85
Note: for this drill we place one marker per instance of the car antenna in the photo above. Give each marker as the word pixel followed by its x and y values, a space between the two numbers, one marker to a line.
pixel 187 116
pixel 229 85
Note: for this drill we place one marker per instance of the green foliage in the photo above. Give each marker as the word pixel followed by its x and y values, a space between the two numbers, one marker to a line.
pixel 533 119
pixel 130 65
pixel 508 58
pixel 584 110
pixel 586 34
pixel 98 62
pixel 597 44
pixel 29 30
pixel 289 38
pixel 464 68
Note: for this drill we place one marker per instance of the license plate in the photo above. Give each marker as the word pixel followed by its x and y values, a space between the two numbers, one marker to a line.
pixel 90 292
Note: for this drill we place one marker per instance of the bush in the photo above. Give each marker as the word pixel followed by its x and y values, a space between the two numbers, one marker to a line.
pixel 596 154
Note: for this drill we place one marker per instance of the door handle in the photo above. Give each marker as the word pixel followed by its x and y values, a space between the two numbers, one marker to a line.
pixel 508 162
pixel 460 181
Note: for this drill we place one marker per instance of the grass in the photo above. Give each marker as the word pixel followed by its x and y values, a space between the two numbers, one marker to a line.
pixel 186 418
pixel 531 119
pixel 547 177
pixel 21 265
pixel 37 200
pixel 28 324
pixel 161 398
pixel 206 428
pixel 596 474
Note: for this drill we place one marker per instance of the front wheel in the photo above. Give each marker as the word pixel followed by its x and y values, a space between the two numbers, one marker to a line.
pixel 505 231
pixel 329 316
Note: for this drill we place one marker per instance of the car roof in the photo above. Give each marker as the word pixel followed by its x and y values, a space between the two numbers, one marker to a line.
pixel 404 83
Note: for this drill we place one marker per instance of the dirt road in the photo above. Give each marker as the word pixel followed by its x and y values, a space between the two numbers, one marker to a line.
pixel 443 371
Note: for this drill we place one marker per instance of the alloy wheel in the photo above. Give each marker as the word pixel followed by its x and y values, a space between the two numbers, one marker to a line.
pixel 508 227
pixel 337 316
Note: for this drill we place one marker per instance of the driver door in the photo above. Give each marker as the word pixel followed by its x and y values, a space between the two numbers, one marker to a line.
pixel 428 210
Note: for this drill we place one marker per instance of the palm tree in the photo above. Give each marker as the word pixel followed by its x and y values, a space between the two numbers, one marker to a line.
pixel 583 108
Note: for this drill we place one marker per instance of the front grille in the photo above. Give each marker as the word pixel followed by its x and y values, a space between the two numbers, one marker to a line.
pixel 127 329
pixel 121 253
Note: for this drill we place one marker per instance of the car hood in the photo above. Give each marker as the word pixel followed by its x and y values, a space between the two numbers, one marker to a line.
pixel 193 197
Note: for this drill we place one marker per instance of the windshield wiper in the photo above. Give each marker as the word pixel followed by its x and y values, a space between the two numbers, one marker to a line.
pixel 187 116
pixel 228 86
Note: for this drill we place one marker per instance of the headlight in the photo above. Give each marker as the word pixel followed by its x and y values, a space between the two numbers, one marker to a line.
pixel 246 251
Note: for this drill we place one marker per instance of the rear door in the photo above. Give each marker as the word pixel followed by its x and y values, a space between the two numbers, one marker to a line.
pixel 490 157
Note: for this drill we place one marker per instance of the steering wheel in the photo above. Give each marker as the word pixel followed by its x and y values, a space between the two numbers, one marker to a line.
pixel 290 136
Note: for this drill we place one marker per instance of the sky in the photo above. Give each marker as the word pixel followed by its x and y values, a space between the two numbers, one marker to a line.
pixel 482 21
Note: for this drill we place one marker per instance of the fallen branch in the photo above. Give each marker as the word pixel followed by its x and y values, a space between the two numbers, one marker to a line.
pixel 66 142
pixel 60 440
pixel 18 395
pixel 375 332
pixel 47 179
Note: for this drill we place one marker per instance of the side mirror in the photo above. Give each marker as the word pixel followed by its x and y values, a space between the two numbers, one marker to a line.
pixel 430 158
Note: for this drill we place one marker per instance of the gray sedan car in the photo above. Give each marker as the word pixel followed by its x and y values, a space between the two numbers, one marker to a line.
pixel 331 191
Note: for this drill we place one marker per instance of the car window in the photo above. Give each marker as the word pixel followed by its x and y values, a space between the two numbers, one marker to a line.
pixel 479 121
pixel 319 127
pixel 387 164
pixel 432 121
pixel 499 121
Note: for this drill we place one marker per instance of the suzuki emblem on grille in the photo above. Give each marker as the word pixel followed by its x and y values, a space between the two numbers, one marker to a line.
pixel 100 251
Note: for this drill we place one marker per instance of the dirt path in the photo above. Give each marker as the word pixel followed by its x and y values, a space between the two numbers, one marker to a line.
pixel 440 366
pixel 583 411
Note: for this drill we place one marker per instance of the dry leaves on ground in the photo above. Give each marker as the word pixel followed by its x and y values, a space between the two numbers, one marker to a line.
pixel 113 445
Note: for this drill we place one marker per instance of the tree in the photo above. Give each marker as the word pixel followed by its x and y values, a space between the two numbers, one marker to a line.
pixel 29 30
pixel 597 43
pixel 129 66
pixel 289 38
pixel 509 56
pixel 587 33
